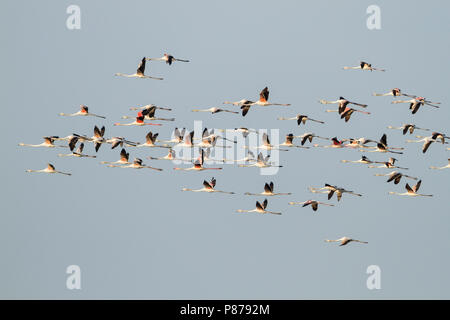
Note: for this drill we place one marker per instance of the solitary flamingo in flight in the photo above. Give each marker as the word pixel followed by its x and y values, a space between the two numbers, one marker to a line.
pixel 364 66
pixel 345 240
pixel 440 168
pixel 301 118
pixel 408 127
pixel 395 176
pixel 268 191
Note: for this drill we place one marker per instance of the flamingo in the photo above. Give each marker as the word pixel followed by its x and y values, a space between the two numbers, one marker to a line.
pixel 440 168
pixel 149 106
pixel 336 143
pixel 408 127
pixel 301 118
pixel 261 162
pixel 214 110
pixel 150 139
pixel 309 137
pixel 178 136
pixel 416 102
pixel 139 72
pixel 396 92
pixel 208 186
pixel 50 169
pixel 250 157
pixel 388 164
pixel 124 157
pixel 97 139
pixel 148 112
pixel 266 144
pixel 212 136
pixel 342 104
pixel 395 176
pixel 137 164
pixel 427 141
pixel 347 112
pixel 314 204
pixel 382 146
pixel 260 208
pixel 268 191
pixel 198 164
pixel 333 189
pixel 138 122
pixel 346 240
pixel 245 131
pixel 363 160
pixel 263 100
pixel 170 156
pixel 120 141
pixel 78 153
pixel 84 111
pixel 188 141
pixel 168 59
pixel 364 66
pixel 48 143
pixel 288 142
pixel 412 192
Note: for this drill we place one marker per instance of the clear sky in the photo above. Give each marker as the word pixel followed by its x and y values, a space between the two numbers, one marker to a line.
pixel 134 234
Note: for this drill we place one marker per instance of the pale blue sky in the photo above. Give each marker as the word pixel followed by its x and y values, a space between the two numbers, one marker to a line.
pixel 136 235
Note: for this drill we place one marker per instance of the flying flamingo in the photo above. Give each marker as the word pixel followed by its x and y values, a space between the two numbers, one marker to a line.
pixel 149 106
pixel 150 140
pixel 124 157
pixel 396 92
pixel 168 59
pixel 84 111
pixel 345 240
pixel 288 142
pixel 363 160
pixel 427 141
pixel 198 164
pixel 408 127
pixel 261 162
pixel 148 113
pixel 416 102
pixel 97 139
pixel 309 137
pixel 137 164
pixel 208 186
pixel 301 118
pixel 412 192
pixel 211 135
pixel 120 141
pixel 170 156
pixel 395 176
pixel 266 144
pixel 188 141
pixel 214 110
pixel 50 169
pixel 78 153
pixel 250 157
pixel 314 204
pixel 260 208
pixel 268 191
pixel 245 131
pixel 440 168
pixel 139 72
pixel 387 164
pixel 347 112
pixel 263 100
pixel 364 66
pixel 48 143
pixel 382 146
pixel 178 136
pixel 138 122
pixel 336 143
pixel 342 104
pixel 333 189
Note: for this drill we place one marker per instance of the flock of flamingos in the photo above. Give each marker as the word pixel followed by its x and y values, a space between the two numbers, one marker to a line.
pixel 207 142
